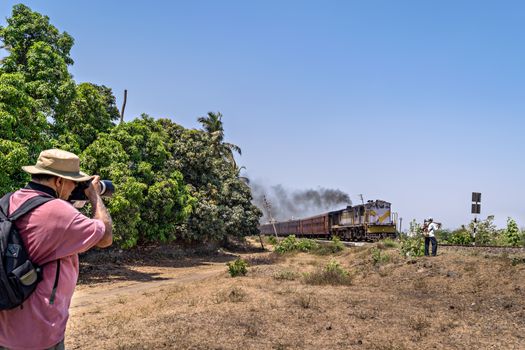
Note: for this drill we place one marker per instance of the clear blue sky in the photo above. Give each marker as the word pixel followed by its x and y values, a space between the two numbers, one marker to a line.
pixel 415 102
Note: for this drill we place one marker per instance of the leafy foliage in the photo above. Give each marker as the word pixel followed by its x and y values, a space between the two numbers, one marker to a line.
pixel 378 257
pixel 151 200
pixel 272 240
pixel 512 233
pixel 223 201
pixel 239 267
pixel 460 236
pixel 92 111
pixel 40 53
pixel 171 183
pixel 486 231
pixel 291 244
pixel 412 246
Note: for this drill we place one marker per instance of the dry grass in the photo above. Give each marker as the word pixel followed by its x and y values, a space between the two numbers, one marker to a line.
pixel 454 301
pixel 332 274
pixel 287 275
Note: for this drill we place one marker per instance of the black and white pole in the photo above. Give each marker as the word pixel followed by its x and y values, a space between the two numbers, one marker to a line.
pixel 476 209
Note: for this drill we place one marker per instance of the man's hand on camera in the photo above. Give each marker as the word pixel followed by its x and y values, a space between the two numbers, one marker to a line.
pixel 93 191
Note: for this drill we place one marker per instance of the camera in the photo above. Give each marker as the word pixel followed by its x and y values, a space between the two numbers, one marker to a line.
pixel 106 190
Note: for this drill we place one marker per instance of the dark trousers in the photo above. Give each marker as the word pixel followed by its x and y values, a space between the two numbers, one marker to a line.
pixel 59 346
pixel 434 245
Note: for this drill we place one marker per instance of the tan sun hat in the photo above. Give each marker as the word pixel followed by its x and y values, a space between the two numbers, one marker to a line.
pixel 59 163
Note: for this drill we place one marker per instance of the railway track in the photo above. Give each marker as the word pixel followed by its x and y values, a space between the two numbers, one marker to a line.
pixel 458 246
pixel 489 248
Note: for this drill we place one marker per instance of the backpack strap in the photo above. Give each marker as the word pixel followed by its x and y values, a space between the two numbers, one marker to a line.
pixel 4 206
pixel 55 285
pixel 25 208
pixel 29 205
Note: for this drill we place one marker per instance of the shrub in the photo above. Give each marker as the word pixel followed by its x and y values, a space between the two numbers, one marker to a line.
pixel 460 236
pixel 412 246
pixel 379 258
pixel 486 231
pixel 238 267
pixel 443 235
pixel 332 274
pixel 306 245
pixel 290 244
pixel 336 245
pixel 286 245
pixel 512 233
pixel 272 240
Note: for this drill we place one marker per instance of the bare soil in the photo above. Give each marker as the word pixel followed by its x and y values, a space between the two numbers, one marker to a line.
pixel 165 299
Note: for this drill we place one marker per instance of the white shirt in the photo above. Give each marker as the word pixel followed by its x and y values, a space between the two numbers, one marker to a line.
pixel 432 228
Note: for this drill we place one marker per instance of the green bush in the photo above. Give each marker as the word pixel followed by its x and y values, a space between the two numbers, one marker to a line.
pixel 412 246
pixel 291 244
pixel 378 257
pixel 272 240
pixel 306 245
pixel 486 231
pixel 460 236
pixel 512 233
pixel 443 235
pixel 171 183
pixel 286 245
pixel 336 245
pixel 239 267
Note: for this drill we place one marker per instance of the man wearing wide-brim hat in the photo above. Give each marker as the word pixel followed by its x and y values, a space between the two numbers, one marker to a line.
pixel 53 232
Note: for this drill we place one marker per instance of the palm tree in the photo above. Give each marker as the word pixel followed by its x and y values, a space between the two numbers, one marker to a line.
pixel 212 124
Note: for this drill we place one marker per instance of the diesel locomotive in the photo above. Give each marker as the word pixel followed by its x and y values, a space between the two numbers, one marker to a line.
pixel 365 222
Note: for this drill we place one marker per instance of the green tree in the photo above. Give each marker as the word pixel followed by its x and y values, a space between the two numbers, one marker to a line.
pixel 93 111
pixel 223 204
pixel 170 182
pixel 40 53
pixel 213 125
pixel 512 233
pixel 151 201
pixel 460 236
pixel 34 86
pixel 22 131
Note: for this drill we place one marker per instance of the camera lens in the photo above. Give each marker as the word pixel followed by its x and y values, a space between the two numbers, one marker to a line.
pixel 106 188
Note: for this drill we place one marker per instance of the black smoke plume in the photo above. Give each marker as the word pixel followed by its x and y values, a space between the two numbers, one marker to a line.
pixel 288 204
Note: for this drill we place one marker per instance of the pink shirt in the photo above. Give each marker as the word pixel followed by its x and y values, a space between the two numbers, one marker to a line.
pixel 55 230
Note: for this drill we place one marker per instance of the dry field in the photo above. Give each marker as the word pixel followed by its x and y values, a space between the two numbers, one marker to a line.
pixel 457 300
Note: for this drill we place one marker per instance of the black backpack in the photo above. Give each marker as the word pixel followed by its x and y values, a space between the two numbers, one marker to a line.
pixel 18 275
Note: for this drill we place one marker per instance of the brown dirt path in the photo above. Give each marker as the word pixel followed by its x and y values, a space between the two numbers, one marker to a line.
pixel 106 294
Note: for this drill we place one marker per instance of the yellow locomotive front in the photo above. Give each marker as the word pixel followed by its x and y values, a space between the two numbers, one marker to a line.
pixel 370 221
